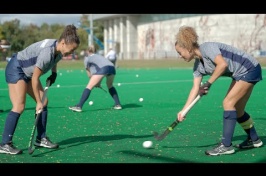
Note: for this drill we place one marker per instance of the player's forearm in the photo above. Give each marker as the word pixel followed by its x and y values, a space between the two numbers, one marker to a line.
pixel 34 83
pixel 193 93
pixel 219 70
pixel 54 69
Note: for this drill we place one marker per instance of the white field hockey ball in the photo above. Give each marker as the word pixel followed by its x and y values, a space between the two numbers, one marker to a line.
pixel 147 144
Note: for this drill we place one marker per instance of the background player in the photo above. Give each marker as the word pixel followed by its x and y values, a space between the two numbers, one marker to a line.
pixel 97 68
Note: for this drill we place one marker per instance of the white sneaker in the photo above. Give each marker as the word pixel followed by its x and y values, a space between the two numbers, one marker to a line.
pixel 75 108
pixel 117 107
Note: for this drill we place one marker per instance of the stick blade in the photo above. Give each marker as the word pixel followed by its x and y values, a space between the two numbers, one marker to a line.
pixel 157 136
pixel 30 150
pixel 103 89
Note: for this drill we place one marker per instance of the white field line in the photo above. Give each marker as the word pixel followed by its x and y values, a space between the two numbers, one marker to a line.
pixel 133 83
pixel 125 83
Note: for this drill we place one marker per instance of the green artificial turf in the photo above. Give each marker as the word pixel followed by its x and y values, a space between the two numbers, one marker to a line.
pixel 101 134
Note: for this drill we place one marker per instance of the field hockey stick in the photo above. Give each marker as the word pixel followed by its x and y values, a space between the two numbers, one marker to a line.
pixel 31 148
pixel 102 89
pixel 175 123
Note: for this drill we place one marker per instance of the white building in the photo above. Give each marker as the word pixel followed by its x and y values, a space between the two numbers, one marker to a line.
pixel 152 36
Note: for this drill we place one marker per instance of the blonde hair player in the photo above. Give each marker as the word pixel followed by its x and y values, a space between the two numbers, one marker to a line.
pixel 219 59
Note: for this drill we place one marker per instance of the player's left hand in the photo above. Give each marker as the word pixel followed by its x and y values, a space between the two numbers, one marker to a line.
pixel 203 90
pixel 52 78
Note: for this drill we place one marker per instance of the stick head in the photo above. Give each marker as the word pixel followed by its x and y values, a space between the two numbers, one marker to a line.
pixel 31 150
pixel 103 89
pixel 157 136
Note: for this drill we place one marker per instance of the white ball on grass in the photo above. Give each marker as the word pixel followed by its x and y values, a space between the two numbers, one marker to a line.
pixel 119 84
pixel 58 85
pixel 141 99
pixel 147 144
pixel 90 102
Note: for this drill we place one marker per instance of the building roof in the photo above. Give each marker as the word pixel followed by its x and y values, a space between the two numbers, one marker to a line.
pixel 100 17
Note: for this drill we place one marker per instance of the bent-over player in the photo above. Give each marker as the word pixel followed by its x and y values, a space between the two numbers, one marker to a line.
pixel 219 59
pixel 97 68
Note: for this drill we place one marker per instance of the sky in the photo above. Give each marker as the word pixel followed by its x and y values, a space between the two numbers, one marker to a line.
pixel 38 19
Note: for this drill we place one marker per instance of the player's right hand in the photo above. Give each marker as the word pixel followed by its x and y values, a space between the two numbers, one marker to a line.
pixel 180 118
pixel 39 107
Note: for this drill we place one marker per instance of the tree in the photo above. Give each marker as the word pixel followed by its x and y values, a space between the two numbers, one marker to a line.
pixel 21 36
pixel 97 29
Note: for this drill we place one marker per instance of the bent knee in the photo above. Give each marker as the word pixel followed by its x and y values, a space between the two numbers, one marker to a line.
pixel 229 104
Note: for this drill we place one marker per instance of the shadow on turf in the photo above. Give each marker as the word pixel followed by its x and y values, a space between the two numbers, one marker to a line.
pixel 76 141
pixel 5 111
pixel 29 109
pixel 38 154
pixel 85 139
pixel 153 157
pixel 125 106
pixel 236 138
pixel 131 105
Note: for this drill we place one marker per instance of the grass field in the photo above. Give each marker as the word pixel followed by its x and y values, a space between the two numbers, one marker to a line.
pixel 102 135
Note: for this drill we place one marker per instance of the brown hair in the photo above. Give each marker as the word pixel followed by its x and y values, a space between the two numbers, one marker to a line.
pixel 187 38
pixel 70 35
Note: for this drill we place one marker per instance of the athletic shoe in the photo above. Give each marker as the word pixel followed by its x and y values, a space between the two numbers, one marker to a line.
pixel 220 149
pixel 45 142
pixel 248 143
pixel 117 107
pixel 75 108
pixel 9 148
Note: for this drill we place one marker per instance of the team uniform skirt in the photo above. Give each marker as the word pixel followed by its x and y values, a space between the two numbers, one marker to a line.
pixel 107 70
pixel 14 72
pixel 253 76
